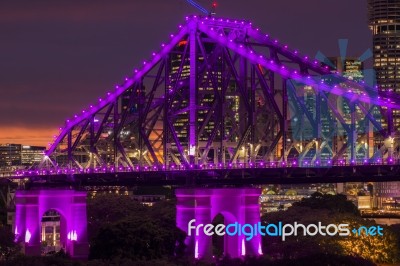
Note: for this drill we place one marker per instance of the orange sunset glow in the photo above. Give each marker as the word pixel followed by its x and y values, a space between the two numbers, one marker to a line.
pixel 27 136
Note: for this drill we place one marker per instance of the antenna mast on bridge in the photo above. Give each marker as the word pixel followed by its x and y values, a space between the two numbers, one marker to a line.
pixel 202 9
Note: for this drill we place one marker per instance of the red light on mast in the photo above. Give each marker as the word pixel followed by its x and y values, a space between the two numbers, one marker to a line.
pixel 214 5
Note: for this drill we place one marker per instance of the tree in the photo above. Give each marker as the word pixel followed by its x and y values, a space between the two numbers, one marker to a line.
pixel 109 208
pixel 329 210
pixel 8 247
pixel 138 238
pixel 336 203
pixel 123 228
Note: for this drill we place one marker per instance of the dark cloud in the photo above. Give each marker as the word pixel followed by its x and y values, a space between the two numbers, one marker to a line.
pixel 57 57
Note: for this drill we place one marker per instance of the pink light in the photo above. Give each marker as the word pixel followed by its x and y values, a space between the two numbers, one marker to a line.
pixel 196 250
pixel 27 236
pixel 243 248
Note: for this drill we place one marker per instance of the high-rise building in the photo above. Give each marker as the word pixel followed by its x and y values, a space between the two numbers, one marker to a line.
pixel 13 156
pixel 206 98
pixel 384 22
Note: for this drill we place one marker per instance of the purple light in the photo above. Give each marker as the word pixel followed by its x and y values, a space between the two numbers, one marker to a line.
pixel 69 203
pixel 241 211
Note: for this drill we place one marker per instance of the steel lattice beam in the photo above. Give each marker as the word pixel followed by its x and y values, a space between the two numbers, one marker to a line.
pixel 221 91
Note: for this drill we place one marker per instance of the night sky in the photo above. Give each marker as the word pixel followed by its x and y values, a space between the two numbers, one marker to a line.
pixel 58 57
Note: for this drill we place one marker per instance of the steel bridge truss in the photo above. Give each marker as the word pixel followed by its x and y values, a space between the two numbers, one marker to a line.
pixel 221 91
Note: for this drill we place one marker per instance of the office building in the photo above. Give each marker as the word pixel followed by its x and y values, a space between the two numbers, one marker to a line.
pixel 384 22
pixel 13 156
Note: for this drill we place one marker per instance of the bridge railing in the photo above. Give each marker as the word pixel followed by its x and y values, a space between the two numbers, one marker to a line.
pixel 210 166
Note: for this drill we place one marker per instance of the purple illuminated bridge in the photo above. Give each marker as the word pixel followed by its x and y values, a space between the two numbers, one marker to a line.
pixel 219 103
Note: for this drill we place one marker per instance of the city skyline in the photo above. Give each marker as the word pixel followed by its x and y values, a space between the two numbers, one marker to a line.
pixel 60 57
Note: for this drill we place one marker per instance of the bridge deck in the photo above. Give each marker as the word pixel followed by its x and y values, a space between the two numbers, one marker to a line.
pixel 213 176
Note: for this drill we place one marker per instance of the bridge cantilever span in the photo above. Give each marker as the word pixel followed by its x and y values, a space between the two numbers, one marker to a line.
pixel 222 92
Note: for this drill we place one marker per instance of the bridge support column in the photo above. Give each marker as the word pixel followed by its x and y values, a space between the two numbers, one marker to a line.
pixel 30 207
pixel 236 205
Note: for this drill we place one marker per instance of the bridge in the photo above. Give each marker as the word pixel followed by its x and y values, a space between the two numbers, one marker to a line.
pixel 220 103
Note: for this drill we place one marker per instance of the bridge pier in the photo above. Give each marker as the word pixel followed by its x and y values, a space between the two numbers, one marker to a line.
pixel 234 204
pixel 30 207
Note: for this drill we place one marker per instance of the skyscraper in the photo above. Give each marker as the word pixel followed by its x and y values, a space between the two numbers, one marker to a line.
pixel 384 22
